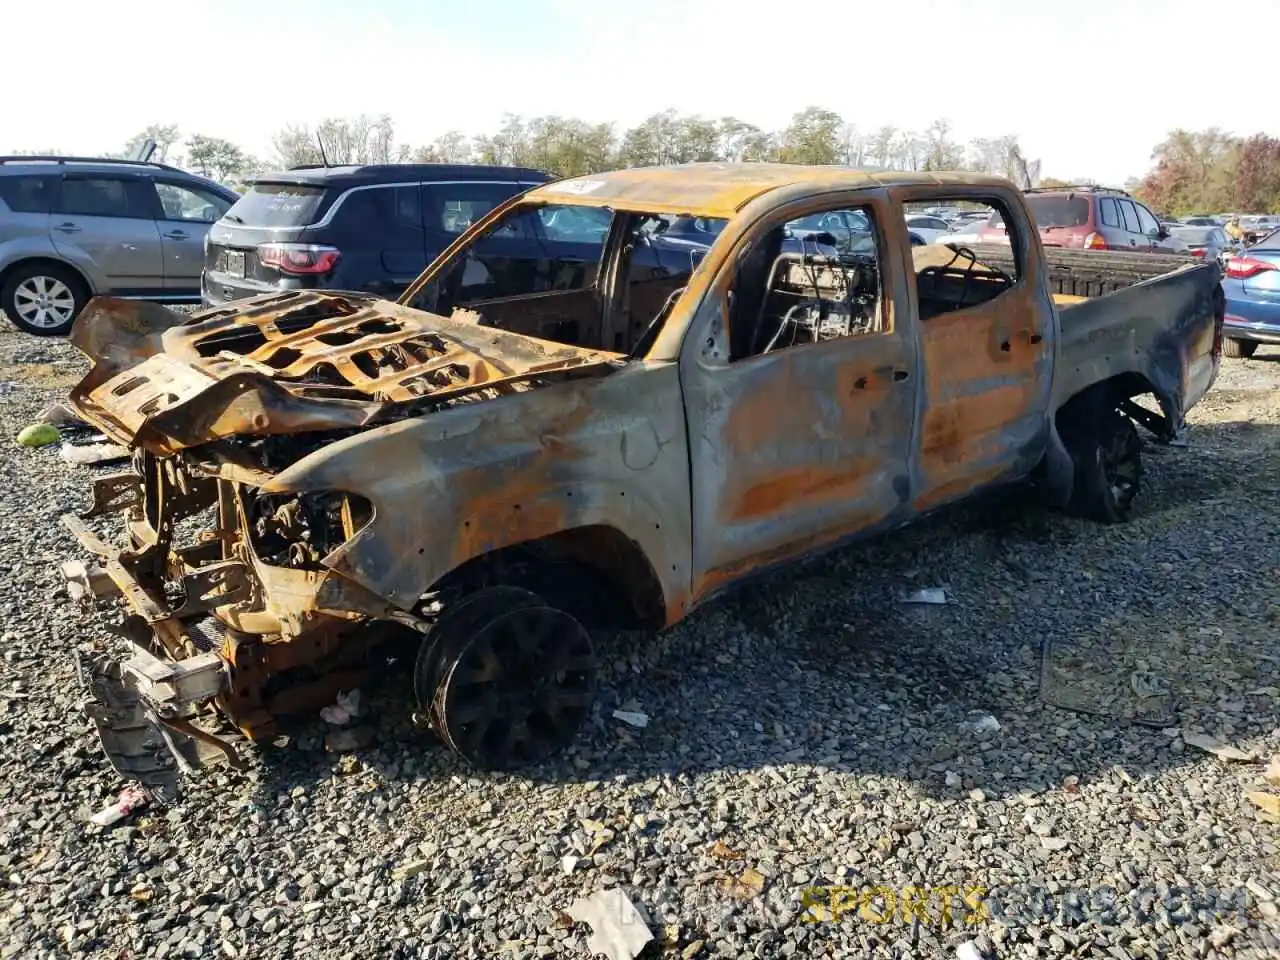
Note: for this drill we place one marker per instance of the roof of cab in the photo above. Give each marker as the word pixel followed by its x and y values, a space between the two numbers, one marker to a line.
pixel 720 190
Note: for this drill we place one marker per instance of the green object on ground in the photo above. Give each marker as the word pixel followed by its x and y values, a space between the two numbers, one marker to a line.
pixel 39 435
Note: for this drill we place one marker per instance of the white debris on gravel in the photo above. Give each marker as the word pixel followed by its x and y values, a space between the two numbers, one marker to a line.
pixel 810 724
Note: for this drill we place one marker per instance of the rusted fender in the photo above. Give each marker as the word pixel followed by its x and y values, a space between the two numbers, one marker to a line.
pixel 462 482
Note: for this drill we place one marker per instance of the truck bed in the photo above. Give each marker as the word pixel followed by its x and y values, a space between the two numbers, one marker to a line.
pixel 1090 273
pixel 1131 313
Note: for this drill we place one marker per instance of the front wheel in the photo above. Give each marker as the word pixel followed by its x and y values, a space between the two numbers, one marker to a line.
pixel 510 680
pixel 1239 349
pixel 1108 468
pixel 43 298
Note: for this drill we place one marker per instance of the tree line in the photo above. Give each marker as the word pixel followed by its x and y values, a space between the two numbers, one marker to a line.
pixel 1210 171
pixel 1192 172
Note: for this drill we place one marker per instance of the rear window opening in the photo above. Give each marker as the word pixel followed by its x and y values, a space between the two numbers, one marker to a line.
pixel 277 205
pixel 1049 212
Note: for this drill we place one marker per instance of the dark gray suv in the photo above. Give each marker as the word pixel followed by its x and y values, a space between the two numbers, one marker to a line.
pixel 73 227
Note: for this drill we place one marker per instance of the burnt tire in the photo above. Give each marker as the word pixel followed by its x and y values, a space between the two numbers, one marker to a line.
pixel 515 680
pixel 43 298
pixel 1239 349
pixel 455 625
pixel 1107 456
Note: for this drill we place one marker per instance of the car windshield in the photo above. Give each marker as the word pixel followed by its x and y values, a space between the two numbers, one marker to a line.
pixel 1059 211
pixel 1194 235
pixel 277 205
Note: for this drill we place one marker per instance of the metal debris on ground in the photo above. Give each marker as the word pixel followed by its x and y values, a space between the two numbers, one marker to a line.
pixel 346 739
pixel 980 724
pixel 92 454
pixel 38 435
pixel 58 415
pixel 132 799
pixel 1222 751
pixel 345 706
pixel 934 595
pixel 632 718
pixel 618 929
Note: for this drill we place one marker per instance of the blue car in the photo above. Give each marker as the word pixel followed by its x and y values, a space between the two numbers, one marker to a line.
pixel 1252 286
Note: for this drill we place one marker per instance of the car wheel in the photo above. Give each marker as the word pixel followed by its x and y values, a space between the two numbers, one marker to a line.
pixel 1239 349
pixel 43 298
pixel 514 680
pixel 1107 456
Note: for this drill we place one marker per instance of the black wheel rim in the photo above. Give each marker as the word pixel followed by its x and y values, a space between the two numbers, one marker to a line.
pixel 520 689
pixel 1122 465
pixel 457 623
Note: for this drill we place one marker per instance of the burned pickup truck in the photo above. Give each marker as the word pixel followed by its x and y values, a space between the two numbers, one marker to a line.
pixel 523 448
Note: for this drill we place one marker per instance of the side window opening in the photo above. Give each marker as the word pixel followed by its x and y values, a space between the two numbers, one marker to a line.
pixel 952 278
pixel 1110 215
pixel 802 283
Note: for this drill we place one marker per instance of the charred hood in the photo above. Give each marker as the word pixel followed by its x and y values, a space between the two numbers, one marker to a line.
pixel 292 363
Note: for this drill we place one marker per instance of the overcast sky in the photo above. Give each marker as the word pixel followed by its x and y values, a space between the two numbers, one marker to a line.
pixel 1090 86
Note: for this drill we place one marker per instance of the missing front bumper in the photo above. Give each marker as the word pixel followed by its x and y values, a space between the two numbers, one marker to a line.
pixel 144 707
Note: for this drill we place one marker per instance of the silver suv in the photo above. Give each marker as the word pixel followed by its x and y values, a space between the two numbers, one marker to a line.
pixel 72 228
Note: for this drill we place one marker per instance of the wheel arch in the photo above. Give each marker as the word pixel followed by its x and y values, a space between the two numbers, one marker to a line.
pixel 1083 408
pixel 618 582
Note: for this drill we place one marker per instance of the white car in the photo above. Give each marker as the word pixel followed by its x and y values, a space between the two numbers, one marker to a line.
pixel 928 229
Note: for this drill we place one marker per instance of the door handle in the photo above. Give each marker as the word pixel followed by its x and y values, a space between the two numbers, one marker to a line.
pixel 176 235
pixel 67 228
pixel 900 375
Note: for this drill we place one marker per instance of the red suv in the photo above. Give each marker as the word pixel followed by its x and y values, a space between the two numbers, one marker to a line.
pixel 1090 218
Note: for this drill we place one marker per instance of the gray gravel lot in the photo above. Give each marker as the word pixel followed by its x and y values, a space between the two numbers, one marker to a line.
pixel 810 731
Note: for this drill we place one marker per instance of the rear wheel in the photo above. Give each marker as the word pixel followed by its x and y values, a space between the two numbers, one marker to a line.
pixel 1108 468
pixel 43 298
pixel 1239 349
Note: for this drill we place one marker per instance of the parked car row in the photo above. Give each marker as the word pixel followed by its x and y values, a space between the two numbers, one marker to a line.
pixel 72 228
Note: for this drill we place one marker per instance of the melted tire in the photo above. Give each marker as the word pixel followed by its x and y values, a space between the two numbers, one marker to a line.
pixel 519 688
pixel 1107 457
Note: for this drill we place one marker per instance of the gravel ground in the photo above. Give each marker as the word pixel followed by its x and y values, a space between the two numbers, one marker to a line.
pixel 814 731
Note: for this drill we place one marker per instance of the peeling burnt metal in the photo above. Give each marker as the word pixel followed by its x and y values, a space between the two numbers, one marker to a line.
pixel 320 476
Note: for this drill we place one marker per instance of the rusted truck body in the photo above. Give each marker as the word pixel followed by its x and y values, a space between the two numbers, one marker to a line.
pixel 515 452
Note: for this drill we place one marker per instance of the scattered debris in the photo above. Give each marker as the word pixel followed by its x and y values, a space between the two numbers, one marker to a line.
pixel 347 739
pixel 345 706
pixel 411 869
pixel 980 724
pixel 38 435
pixel 745 886
pixel 632 718
pixel 1266 802
pixel 1223 752
pixel 132 799
pixel 935 595
pixel 969 951
pixel 91 454
pixel 568 862
pixel 1272 773
pixel 58 415
pixel 721 851
pixel 618 929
